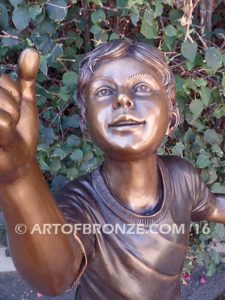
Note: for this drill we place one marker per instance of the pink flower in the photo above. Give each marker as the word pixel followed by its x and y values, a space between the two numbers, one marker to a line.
pixel 186 276
pixel 202 280
pixel 39 295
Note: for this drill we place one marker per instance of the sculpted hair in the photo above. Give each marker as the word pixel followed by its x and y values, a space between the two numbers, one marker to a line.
pixel 143 52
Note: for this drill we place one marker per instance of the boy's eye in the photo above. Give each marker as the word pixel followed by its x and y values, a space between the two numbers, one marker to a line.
pixel 142 88
pixel 104 92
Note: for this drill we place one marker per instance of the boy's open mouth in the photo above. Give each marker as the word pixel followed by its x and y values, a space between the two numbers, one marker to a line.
pixel 126 120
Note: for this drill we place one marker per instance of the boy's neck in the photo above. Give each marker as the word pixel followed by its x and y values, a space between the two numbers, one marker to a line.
pixel 134 182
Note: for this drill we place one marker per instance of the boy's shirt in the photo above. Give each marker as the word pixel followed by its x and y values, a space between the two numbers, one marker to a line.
pixel 132 256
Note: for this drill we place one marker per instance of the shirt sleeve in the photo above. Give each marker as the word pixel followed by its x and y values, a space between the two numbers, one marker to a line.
pixel 204 200
pixel 76 213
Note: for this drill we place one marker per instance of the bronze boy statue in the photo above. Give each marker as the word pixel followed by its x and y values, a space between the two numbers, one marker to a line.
pixel 127 97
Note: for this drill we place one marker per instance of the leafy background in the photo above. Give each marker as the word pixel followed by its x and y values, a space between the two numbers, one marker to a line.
pixel 63 31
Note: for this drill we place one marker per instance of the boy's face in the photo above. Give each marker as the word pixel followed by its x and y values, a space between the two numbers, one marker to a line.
pixel 126 108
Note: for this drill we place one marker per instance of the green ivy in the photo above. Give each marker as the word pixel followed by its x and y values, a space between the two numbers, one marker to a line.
pixel 63 31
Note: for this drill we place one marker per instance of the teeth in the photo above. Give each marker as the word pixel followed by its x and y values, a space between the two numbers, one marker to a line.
pixel 124 123
pixel 127 122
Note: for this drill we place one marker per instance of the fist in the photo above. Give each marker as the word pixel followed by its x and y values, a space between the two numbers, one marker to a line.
pixel 13 94
pixel 18 114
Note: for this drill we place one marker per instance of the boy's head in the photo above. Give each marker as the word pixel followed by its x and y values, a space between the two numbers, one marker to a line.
pixel 131 57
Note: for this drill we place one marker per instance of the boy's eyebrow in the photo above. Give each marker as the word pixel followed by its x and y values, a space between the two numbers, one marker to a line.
pixel 142 74
pixel 108 78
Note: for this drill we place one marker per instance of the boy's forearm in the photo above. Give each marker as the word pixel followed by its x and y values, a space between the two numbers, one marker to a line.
pixel 218 214
pixel 48 261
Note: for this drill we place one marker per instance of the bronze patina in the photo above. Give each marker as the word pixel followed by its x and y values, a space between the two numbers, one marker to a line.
pixel 126 93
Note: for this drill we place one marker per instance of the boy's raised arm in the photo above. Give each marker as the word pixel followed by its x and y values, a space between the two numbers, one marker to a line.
pixel 50 262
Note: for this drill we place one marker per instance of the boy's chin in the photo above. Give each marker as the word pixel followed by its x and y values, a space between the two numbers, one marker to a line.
pixel 128 153
pixel 124 148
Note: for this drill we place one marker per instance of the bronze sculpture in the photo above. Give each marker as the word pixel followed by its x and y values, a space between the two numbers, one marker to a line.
pixel 127 97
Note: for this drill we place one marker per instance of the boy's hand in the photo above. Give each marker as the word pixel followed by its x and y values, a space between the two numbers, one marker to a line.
pixel 18 118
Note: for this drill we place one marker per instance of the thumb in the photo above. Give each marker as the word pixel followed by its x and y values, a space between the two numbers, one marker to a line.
pixel 28 62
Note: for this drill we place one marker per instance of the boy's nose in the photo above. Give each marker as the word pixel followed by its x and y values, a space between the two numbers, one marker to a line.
pixel 123 100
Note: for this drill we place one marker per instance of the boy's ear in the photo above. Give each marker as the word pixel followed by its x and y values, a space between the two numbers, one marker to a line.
pixel 174 115
pixel 174 119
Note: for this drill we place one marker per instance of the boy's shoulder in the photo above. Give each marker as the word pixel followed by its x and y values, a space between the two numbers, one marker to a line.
pixel 176 164
pixel 189 188
pixel 181 171
pixel 77 185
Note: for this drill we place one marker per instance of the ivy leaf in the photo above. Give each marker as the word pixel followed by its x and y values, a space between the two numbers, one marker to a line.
pixel 86 147
pixel 57 9
pixel 55 166
pixel 175 15
pixel 218 188
pixel 170 30
pixel 114 36
pixel 211 269
pixel 223 84
pixel 43 165
pixel 158 8
pixel 43 43
pixel 213 176
pixel 135 17
pixel 58 182
pixel 98 16
pixel 189 50
pixel 223 58
pixel 43 147
pixel 69 79
pixel 34 10
pixel 219 229
pixel 88 156
pixel 213 254
pixel 213 58
pixel 216 149
pixel 77 155
pixel 4 19
pixel 212 137
pixel 149 30
pixel 72 173
pixel 120 3
pixel 58 152
pixel 64 93
pixel 21 18
pixel 139 2
pixel 101 37
pixel 148 16
pixel 56 52
pixel 95 29
pixel 219 112
pixel 178 149
pixel 43 65
pixel 73 140
pixel 203 160
pixel 47 27
pixel 179 84
pixel 196 108
pixel 14 3
pixel 205 94
pixel 200 82
pixel 71 121
pixel 47 135
pixel 40 17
